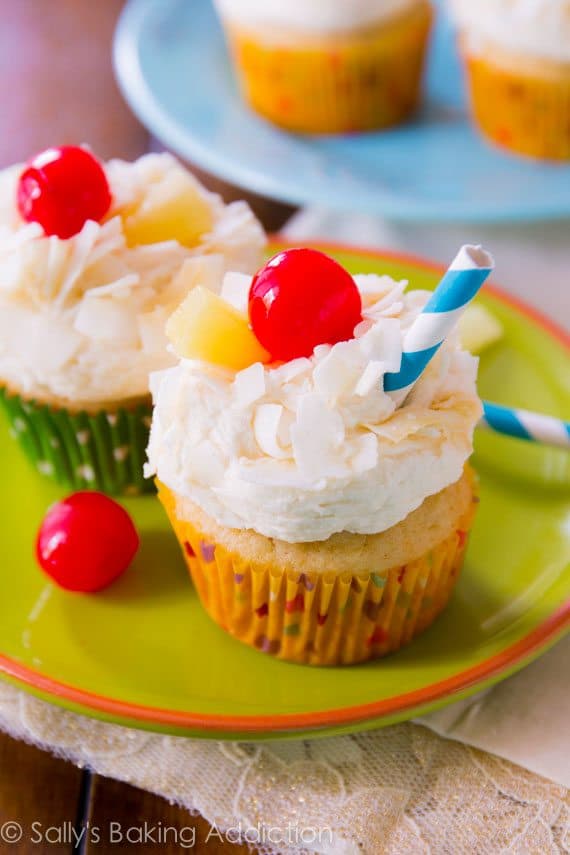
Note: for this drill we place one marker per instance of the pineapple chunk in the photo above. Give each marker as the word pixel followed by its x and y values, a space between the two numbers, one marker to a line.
pixel 206 327
pixel 479 329
pixel 175 208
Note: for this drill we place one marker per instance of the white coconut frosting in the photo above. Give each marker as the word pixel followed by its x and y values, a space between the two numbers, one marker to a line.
pixel 315 446
pixel 316 16
pixel 82 320
pixel 540 28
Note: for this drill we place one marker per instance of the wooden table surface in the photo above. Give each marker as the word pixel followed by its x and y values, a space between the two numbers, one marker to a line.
pixel 62 809
pixel 57 86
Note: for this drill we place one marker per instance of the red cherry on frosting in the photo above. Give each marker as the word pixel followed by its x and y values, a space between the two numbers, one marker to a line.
pixel 86 541
pixel 61 189
pixel 300 299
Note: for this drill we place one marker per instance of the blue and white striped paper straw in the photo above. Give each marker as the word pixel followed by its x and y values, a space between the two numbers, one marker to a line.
pixel 461 283
pixel 534 427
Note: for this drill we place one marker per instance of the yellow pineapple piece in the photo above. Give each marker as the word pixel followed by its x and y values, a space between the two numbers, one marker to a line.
pixel 205 327
pixel 479 329
pixel 174 208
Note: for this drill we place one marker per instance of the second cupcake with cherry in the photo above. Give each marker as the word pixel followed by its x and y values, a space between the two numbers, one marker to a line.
pixel 93 259
pixel 321 522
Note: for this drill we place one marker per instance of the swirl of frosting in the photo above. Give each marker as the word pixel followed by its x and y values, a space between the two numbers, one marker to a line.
pixel 540 28
pixel 316 16
pixel 312 447
pixel 82 320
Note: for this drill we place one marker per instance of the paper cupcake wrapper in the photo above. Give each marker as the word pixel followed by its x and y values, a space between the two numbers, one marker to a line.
pixel 523 113
pixel 342 84
pixel 103 451
pixel 320 619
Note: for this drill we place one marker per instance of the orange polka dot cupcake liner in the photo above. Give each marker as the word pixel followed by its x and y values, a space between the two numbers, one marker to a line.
pixel 370 79
pixel 523 113
pixel 320 618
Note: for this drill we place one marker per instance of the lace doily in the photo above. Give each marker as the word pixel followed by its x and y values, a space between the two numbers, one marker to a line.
pixel 398 790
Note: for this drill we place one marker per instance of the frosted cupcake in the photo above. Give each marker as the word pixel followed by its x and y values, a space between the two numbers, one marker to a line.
pixel 517 54
pixel 329 67
pixel 93 259
pixel 320 523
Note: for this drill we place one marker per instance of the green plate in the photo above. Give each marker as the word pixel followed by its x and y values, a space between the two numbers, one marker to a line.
pixel 144 653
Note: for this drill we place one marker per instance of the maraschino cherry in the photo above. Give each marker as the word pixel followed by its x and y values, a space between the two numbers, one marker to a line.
pixel 86 541
pixel 300 299
pixel 62 188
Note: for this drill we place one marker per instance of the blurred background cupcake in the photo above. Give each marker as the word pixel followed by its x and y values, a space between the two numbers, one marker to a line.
pixel 329 67
pixel 87 281
pixel 517 55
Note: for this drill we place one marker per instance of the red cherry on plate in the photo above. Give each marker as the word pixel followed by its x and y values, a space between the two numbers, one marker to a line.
pixel 300 299
pixel 86 541
pixel 61 189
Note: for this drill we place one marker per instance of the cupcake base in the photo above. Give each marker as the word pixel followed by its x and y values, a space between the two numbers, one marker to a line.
pixel 334 84
pixel 521 105
pixel 102 450
pixel 322 618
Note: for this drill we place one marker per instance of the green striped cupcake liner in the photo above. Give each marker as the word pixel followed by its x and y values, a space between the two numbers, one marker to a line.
pixel 85 451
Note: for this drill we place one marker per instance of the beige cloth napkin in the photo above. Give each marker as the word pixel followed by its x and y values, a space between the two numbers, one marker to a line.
pixel 524 719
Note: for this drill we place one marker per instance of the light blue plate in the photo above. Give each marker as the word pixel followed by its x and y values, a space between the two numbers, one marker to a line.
pixel 173 68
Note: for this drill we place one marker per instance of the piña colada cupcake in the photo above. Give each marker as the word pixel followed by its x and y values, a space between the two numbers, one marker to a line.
pixel 329 67
pixel 320 524
pixel 93 259
pixel 517 55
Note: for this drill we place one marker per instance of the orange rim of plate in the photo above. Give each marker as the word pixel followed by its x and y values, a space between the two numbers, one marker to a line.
pixel 524 649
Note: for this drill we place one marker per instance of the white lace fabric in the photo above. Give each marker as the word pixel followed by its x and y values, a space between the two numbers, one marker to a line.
pixel 394 791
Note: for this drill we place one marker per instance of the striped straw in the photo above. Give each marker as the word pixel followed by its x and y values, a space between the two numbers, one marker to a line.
pixel 533 427
pixel 461 283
